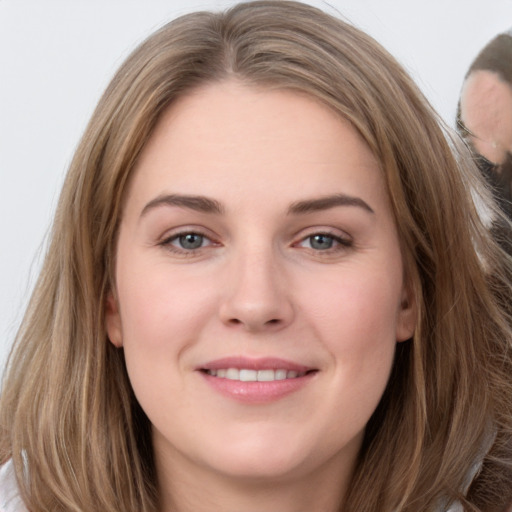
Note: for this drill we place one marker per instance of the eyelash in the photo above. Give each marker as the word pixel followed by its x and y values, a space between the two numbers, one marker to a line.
pixel 176 237
pixel 339 243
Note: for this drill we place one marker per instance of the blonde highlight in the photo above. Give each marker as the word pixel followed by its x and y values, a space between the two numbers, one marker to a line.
pixel 70 422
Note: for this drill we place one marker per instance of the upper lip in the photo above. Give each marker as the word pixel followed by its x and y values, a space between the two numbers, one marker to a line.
pixel 264 363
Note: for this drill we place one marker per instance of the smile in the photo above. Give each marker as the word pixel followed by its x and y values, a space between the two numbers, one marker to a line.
pixel 256 380
pixel 248 375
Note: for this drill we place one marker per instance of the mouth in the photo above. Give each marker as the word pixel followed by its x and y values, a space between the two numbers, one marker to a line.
pixel 249 375
pixel 256 380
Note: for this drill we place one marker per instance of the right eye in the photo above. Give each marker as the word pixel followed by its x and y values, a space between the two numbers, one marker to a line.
pixel 186 242
pixel 189 241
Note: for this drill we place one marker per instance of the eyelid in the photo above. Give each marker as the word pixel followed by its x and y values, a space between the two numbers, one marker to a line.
pixel 169 236
pixel 343 240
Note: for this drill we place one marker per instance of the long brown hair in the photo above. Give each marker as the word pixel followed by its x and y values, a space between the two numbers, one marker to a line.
pixel 443 430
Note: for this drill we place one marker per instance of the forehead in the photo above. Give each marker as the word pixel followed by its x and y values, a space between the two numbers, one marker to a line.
pixel 245 112
pixel 229 137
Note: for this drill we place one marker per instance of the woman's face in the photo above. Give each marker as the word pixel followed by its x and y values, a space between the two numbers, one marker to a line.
pixel 259 285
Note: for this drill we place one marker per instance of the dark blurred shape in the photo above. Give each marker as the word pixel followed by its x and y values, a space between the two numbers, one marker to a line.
pixel 484 116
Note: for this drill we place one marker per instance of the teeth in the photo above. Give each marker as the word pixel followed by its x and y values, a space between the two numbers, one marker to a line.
pixel 265 375
pixel 232 374
pixel 281 374
pixel 246 375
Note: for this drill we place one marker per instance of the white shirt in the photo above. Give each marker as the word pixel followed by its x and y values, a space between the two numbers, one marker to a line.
pixel 10 500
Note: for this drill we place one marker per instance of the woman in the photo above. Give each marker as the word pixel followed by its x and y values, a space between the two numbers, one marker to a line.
pixel 268 288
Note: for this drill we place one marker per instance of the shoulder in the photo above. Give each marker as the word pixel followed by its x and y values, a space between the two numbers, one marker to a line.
pixel 10 500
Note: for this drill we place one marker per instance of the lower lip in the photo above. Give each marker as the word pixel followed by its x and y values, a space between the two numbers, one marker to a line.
pixel 257 392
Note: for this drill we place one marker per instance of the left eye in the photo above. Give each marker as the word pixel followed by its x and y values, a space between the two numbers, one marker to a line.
pixel 323 242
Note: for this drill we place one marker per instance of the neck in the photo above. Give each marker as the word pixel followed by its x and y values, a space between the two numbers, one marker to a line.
pixel 195 489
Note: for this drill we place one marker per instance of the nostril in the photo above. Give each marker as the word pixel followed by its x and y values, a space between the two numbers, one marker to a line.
pixel 237 321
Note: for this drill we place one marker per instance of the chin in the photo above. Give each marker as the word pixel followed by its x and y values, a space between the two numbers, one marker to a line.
pixel 263 458
pixel 262 467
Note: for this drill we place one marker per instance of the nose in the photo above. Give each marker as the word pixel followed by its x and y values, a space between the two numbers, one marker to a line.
pixel 257 295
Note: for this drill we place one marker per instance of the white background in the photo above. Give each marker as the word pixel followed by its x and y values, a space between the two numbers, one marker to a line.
pixel 57 56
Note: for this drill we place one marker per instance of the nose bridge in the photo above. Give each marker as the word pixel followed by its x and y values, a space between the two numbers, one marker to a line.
pixel 256 295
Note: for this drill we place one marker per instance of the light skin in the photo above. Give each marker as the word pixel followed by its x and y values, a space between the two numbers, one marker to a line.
pixel 486 111
pixel 257 225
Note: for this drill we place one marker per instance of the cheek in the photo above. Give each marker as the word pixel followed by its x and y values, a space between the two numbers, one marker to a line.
pixel 161 304
pixel 357 323
pixel 162 315
pixel 358 311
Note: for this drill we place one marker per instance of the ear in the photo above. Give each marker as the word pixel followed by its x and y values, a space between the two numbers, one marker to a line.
pixel 113 321
pixel 407 314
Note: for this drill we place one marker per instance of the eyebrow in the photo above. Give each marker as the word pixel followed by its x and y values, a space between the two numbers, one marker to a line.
pixel 207 205
pixel 327 202
pixel 198 203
